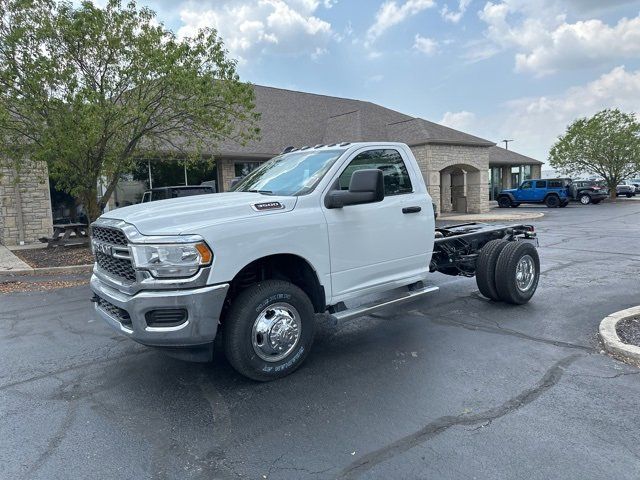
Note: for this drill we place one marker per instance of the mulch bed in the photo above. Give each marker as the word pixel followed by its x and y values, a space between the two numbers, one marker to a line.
pixel 629 331
pixel 13 286
pixel 56 256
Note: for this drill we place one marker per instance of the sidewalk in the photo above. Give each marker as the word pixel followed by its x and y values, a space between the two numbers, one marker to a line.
pixel 9 262
pixel 491 216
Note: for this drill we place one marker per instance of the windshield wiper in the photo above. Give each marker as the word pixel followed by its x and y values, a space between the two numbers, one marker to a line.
pixel 263 192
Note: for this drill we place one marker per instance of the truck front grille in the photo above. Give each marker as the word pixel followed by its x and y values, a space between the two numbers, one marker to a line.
pixel 118 267
pixel 114 311
pixel 109 235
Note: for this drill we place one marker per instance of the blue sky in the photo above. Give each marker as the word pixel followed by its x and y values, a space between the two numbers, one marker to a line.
pixel 517 69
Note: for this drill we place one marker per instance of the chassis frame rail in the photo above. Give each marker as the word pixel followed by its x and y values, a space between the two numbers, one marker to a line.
pixel 456 247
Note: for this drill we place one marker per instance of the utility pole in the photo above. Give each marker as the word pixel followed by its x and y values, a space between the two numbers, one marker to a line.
pixel 150 179
pixel 506 144
pixel 186 181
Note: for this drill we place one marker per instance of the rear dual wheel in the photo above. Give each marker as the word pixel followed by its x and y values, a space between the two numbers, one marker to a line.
pixel 508 271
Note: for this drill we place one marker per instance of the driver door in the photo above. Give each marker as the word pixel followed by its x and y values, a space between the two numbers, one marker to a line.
pixel 525 192
pixel 382 243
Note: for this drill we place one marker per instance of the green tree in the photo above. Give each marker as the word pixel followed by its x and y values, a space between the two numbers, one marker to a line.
pixel 607 144
pixel 89 90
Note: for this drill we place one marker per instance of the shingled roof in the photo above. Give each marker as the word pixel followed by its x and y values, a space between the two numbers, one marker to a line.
pixel 502 156
pixel 299 118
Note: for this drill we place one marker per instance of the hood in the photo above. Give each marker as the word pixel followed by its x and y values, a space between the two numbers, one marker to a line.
pixel 509 190
pixel 184 215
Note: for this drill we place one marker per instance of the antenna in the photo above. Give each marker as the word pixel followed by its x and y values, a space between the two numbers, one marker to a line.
pixel 506 143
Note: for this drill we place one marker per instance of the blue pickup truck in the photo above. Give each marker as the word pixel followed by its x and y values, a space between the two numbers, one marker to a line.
pixel 553 192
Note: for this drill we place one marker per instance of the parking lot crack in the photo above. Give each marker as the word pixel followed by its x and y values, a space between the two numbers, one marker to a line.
pixel 550 379
pixel 497 329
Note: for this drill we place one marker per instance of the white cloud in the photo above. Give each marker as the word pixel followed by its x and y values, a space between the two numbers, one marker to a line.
pixel 462 120
pixel 545 41
pixel 536 122
pixel 390 14
pixel 249 28
pixel 582 43
pixel 455 16
pixel 428 46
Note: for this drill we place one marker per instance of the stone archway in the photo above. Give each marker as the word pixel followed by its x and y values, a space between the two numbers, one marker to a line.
pixel 461 188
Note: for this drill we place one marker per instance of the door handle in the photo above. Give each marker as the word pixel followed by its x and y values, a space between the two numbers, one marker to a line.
pixel 411 209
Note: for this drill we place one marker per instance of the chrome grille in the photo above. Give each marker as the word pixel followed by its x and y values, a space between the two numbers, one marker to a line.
pixel 114 311
pixel 119 267
pixel 109 235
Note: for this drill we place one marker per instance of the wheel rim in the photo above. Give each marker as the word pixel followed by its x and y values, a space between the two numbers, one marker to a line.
pixel 276 332
pixel 584 199
pixel 525 273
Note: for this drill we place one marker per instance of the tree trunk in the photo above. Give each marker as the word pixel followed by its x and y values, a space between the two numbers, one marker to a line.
pixel 90 202
pixel 108 192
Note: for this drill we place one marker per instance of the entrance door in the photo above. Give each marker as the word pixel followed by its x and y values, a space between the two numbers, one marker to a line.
pixel 380 243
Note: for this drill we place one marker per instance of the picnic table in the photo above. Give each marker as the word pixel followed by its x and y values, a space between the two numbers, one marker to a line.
pixel 69 234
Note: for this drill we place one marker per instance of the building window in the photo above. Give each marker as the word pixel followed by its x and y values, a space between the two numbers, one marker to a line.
pixel 526 172
pixel 242 169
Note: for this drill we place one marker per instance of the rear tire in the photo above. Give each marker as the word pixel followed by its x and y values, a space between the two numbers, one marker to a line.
pixel 268 330
pixel 486 268
pixel 517 273
pixel 504 202
pixel 629 195
pixel 552 201
pixel 585 199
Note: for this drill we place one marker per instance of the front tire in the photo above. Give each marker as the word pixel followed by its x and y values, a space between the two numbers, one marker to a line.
pixel 585 199
pixel 517 273
pixel 504 202
pixel 268 330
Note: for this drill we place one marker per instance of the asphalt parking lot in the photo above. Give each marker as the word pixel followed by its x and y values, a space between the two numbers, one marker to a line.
pixel 452 386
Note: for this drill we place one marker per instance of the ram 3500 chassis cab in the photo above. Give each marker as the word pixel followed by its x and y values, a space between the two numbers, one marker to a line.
pixel 307 233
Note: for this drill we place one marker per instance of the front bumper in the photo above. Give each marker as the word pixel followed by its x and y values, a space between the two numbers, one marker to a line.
pixel 203 307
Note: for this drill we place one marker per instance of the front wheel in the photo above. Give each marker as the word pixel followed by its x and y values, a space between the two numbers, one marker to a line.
pixel 268 330
pixel 504 202
pixel 517 273
pixel 585 199
pixel 629 195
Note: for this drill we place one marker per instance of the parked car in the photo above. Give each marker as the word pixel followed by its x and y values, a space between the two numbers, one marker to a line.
pixel 587 191
pixel 313 231
pixel 553 192
pixel 626 189
pixel 164 193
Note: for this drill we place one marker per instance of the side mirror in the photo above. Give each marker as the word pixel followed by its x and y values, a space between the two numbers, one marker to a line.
pixel 366 186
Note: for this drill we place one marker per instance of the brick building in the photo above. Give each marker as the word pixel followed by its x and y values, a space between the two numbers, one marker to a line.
pixel 462 171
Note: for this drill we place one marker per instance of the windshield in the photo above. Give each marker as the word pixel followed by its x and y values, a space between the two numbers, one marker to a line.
pixel 295 173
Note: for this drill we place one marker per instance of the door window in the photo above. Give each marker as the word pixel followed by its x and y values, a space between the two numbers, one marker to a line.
pixel 394 171
pixel 526 186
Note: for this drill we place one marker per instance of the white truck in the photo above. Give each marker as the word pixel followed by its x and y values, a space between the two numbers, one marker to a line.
pixel 309 232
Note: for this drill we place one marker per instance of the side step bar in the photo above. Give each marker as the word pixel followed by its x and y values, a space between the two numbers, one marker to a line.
pixel 372 307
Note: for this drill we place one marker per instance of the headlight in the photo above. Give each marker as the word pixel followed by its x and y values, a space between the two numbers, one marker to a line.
pixel 172 260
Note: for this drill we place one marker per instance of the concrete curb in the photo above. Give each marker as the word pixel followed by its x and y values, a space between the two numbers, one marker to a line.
pixel 50 270
pixel 609 336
